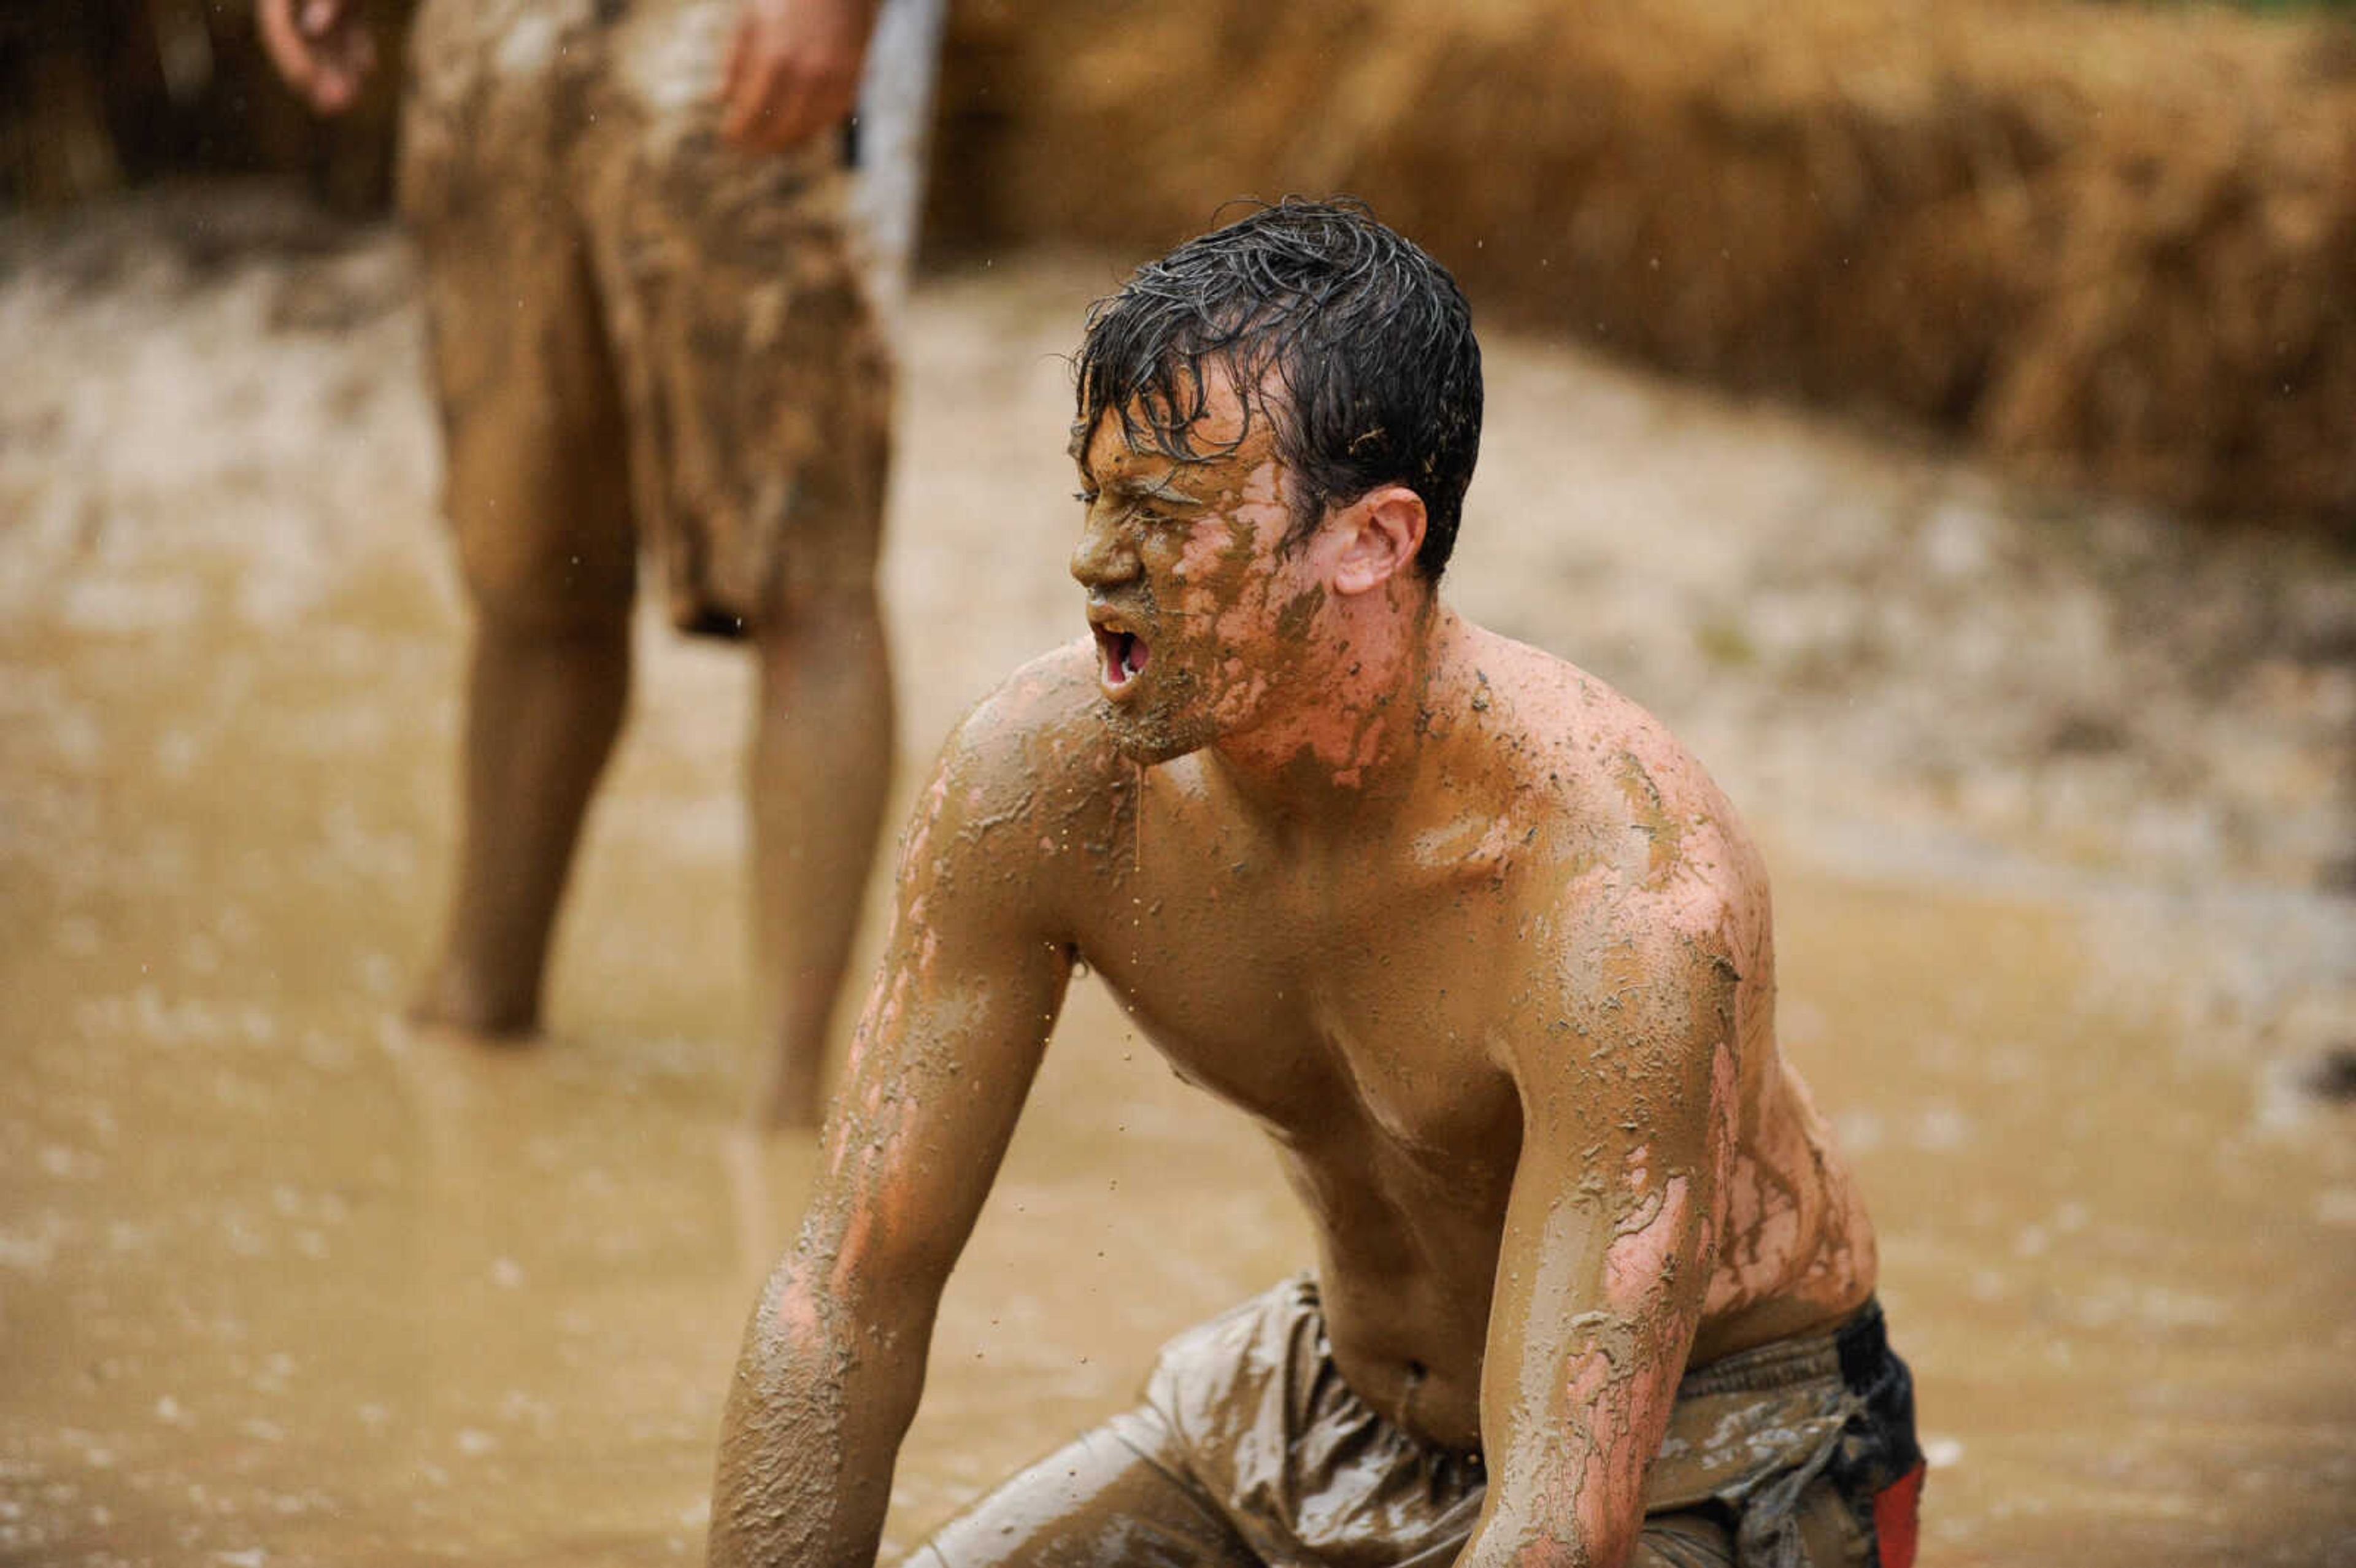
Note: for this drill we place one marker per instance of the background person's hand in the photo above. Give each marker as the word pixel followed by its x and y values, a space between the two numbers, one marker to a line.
pixel 793 69
pixel 323 48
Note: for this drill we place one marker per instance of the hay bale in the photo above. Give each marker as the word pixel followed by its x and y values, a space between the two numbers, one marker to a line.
pixel 2110 244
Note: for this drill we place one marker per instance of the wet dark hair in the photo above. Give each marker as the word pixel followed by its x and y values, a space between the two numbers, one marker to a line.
pixel 1369 339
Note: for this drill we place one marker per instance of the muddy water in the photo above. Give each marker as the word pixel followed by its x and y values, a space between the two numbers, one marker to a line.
pixel 280 1284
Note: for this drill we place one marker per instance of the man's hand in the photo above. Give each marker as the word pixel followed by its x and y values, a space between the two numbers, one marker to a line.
pixel 322 47
pixel 793 69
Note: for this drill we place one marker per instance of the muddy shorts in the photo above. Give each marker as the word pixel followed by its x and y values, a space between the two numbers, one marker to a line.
pixel 1248 1449
pixel 641 337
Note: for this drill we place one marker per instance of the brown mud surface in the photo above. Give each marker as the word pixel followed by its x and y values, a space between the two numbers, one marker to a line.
pixel 2056 794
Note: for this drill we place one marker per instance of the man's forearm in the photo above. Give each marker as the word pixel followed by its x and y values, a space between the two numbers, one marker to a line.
pixel 814 1421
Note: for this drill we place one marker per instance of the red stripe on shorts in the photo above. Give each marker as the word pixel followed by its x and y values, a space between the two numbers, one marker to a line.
pixel 1897 1509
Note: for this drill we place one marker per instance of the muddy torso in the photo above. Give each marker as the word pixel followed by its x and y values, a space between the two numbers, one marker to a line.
pixel 1371 1068
pixel 1362 999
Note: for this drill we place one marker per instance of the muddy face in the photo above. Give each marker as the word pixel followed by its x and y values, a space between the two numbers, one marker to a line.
pixel 1199 604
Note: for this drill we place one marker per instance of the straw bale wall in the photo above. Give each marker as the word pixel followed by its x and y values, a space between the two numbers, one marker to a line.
pixel 2110 244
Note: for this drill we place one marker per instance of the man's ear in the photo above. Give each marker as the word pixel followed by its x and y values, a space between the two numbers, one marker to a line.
pixel 1376 538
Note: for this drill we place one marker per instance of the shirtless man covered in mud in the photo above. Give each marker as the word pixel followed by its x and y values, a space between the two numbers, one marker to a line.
pixel 1472 937
pixel 649 333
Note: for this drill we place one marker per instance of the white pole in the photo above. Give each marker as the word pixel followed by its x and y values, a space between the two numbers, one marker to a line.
pixel 895 117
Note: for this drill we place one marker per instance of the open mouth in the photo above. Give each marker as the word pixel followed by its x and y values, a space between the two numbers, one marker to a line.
pixel 1121 654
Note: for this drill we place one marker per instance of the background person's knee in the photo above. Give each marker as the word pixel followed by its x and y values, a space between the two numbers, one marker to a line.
pixel 848 606
pixel 546 588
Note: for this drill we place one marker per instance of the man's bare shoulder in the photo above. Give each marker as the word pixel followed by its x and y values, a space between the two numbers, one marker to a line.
pixel 1627 807
pixel 1031 775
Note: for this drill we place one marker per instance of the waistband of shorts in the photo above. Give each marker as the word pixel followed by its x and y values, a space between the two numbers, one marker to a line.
pixel 1848 1352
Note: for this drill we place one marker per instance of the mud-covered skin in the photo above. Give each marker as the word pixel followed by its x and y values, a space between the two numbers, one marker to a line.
pixel 1469 934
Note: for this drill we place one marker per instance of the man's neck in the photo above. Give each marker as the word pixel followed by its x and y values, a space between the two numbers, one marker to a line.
pixel 1346 747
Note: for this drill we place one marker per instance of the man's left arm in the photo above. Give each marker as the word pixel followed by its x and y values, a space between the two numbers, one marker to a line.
pixel 1627 1139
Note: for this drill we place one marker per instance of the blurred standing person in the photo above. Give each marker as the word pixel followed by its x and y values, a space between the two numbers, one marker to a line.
pixel 648 331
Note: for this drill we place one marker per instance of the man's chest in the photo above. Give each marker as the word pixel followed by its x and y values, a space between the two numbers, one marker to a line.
pixel 1302 994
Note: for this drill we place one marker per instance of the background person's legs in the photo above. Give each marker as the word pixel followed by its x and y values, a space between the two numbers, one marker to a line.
pixel 543 706
pixel 547 549
pixel 820 768
pixel 758 389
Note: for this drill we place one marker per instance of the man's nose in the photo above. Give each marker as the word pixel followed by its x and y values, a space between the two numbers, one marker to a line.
pixel 1104 556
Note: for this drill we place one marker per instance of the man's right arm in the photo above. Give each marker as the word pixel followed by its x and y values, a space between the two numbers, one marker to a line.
pixel 833 1360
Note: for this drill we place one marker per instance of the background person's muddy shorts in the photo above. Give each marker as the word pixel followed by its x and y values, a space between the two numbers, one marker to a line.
pixel 637 331
pixel 1250 1449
